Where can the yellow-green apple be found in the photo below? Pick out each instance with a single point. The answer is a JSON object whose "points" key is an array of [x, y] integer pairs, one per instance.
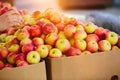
{"points": [[115, 47], [11, 58], [61, 35], [100, 32], [33, 57], [92, 46], [92, 37], [48, 28], [104, 45], [118, 43], [2, 37], [22, 33], [60, 26], [28, 19], [80, 44], [25, 41], [51, 38], [63, 44], [81, 34], [22, 63], [69, 30], [86, 52], [79, 27], [27, 48], [35, 31], [73, 52], [43, 51], [38, 41], [4, 52], [14, 48], [20, 57], [90, 27], [112, 37], [9, 38], [1, 64], [55, 53], [49, 46]]}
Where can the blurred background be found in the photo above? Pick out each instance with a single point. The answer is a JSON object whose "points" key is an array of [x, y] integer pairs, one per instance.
{"points": [[70, 7]]}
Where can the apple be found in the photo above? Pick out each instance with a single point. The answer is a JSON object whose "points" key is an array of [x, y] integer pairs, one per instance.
{"points": [[37, 41], [11, 31], [60, 26], [48, 28], [69, 30], [80, 44], [25, 41], [86, 52], [11, 57], [92, 37], [9, 38], [4, 52], [115, 47], [22, 63], [55, 53], [118, 43], [35, 31], [61, 35], [72, 41], [43, 51], [14, 48], [51, 38], [112, 37], [19, 57], [72, 21], [22, 33], [90, 27], [43, 36], [1, 64], [92, 46], [73, 51], [36, 14], [79, 27], [81, 34], [63, 45], [8, 66], [100, 32], [33, 57], [104, 45], [2, 37], [28, 19], [49, 47], [27, 48]]}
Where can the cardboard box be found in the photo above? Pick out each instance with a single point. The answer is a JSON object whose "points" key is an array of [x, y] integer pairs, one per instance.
{"points": [[31, 72], [96, 66]]}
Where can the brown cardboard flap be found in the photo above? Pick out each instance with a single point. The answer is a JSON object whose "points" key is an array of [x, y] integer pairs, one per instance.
{"points": [[96, 66], [31, 72]]}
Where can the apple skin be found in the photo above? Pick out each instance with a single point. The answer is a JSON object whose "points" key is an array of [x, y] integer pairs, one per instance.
{"points": [[60, 26], [14, 48], [3, 37], [20, 57], [43, 51], [63, 45], [73, 52], [61, 35], [8, 66], [69, 30], [27, 48], [37, 41], [112, 37], [90, 27], [25, 41], [49, 28], [51, 38], [72, 21], [92, 37], [33, 57], [55, 53], [118, 43], [100, 32], [22, 63], [79, 27], [4, 52], [80, 44], [104, 45], [22, 33], [92, 46], [86, 52], [81, 34], [1, 65], [115, 48], [11, 58]]}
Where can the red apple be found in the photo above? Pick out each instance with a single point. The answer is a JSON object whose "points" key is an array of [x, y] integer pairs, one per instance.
{"points": [[92, 46], [8, 66], [51, 38], [1, 64], [38, 41], [14, 48], [11, 57], [27, 48], [73, 51], [55, 53], [22, 63], [25, 41], [60, 26], [92, 37], [4, 52], [118, 43], [63, 45], [20, 57], [104, 45]]}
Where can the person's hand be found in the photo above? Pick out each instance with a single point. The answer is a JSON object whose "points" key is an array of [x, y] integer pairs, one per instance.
{"points": [[10, 19]]}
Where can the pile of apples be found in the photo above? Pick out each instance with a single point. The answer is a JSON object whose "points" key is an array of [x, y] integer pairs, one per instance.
{"points": [[51, 34]]}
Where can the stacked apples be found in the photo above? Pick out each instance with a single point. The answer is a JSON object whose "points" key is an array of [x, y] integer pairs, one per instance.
{"points": [[50, 34]]}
